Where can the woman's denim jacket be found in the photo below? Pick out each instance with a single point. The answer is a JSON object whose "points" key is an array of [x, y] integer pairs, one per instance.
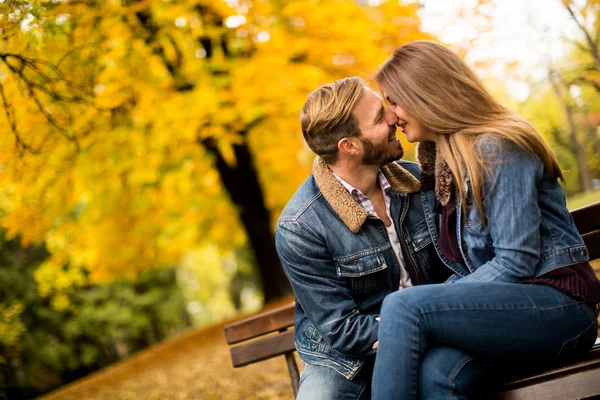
{"points": [[341, 264], [528, 230]]}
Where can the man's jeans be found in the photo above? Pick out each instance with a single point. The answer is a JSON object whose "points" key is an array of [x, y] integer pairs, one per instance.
{"points": [[323, 383], [425, 332]]}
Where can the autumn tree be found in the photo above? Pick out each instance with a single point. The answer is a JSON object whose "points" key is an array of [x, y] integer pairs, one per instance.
{"points": [[139, 129], [575, 84]]}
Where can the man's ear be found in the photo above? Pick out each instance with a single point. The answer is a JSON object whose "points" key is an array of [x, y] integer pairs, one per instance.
{"points": [[349, 145]]}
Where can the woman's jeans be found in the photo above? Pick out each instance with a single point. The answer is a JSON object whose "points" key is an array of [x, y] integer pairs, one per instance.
{"points": [[427, 332]]}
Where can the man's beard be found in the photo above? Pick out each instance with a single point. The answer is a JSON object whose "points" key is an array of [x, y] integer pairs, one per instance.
{"points": [[380, 153]]}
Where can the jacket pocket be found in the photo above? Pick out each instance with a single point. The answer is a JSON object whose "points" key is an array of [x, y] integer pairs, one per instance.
{"points": [[420, 236], [363, 272], [472, 217], [316, 342]]}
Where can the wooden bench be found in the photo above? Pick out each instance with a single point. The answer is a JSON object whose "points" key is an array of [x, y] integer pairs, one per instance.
{"points": [[271, 333]]}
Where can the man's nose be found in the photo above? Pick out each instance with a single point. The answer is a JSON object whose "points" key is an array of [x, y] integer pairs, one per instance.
{"points": [[391, 116]]}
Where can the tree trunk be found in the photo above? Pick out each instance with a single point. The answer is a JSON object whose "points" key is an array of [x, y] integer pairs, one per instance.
{"points": [[578, 150], [241, 182], [593, 138]]}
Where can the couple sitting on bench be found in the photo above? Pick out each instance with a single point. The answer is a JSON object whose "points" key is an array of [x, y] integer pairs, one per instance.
{"points": [[429, 280]]}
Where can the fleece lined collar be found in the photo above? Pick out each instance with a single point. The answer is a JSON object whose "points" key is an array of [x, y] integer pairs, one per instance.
{"points": [[431, 163], [342, 202]]}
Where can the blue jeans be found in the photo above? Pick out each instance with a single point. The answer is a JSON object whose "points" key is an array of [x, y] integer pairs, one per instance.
{"points": [[509, 323], [446, 370], [323, 383], [449, 373]]}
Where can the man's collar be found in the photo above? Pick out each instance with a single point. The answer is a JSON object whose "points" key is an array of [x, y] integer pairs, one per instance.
{"points": [[342, 202], [383, 183]]}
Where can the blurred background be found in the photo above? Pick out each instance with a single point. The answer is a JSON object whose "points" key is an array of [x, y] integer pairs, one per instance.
{"points": [[147, 148]]}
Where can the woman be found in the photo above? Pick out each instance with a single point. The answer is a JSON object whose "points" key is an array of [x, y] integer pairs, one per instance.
{"points": [[523, 290]]}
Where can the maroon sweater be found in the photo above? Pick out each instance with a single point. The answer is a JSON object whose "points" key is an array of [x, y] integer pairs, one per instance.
{"points": [[577, 280]]}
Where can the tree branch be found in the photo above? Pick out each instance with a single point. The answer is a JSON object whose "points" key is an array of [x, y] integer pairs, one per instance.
{"points": [[592, 47], [10, 116]]}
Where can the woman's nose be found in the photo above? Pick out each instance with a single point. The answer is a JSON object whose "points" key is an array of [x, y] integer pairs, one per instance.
{"points": [[391, 115]]}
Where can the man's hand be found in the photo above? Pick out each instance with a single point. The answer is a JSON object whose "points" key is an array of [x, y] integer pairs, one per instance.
{"points": [[376, 344]]}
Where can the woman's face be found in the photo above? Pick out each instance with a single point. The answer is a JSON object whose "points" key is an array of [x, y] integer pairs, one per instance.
{"points": [[411, 127]]}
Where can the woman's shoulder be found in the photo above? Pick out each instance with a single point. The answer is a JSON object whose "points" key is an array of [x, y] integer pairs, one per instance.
{"points": [[488, 142], [494, 146], [499, 153]]}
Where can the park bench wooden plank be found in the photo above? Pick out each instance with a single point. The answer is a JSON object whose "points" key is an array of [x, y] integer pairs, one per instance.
{"points": [[575, 380], [270, 334], [587, 218], [251, 327], [582, 385], [265, 335], [263, 349], [592, 241]]}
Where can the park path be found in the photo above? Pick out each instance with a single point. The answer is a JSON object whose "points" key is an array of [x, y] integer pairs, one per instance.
{"points": [[195, 365]]}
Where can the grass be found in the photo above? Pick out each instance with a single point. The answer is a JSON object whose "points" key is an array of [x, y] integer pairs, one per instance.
{"points": [[583, 199]]}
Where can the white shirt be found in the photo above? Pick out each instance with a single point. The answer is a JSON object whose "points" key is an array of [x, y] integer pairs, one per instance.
{"points": [[366, 203]]}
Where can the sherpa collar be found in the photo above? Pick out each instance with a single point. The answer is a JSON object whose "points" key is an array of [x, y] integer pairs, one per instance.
{"points": [[342, 202], [432, 163]]}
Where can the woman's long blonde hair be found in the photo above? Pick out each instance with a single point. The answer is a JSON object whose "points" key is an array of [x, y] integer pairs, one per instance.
{"points": [[437, 88]]}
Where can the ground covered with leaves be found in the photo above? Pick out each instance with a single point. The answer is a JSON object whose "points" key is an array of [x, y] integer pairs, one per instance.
{"points": [[194, 366]]}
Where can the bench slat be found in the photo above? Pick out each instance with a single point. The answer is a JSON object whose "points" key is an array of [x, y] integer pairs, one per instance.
{"points": [[262, 349], [260, 324], [580, 385], [592, 242], [587, 361], [587, 218]]}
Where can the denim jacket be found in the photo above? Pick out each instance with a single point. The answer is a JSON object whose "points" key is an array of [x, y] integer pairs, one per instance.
{"points": [[341, 264], [528, 230]]}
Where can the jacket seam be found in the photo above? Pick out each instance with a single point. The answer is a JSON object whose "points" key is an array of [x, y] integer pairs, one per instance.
{"points": [[305, 206], [364, 253]]}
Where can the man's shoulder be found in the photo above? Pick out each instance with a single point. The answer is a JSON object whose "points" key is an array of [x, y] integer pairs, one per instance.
{"points": [[305, 196]]}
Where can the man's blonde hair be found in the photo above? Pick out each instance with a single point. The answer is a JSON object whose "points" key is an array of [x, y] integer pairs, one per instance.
{"points": [[327, 116]]}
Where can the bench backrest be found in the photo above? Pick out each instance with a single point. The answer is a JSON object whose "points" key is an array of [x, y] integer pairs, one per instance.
{"points": [[272, 333], [587, 220]]}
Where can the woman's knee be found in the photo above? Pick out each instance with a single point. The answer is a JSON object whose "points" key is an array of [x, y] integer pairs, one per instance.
{"points": [[405, 301]]}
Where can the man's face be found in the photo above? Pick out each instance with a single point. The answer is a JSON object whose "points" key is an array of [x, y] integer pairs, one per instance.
{"points": [[378, 127]]}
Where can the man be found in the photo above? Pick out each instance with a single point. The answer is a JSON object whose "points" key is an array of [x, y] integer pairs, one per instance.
{"points": [[352, 233]]}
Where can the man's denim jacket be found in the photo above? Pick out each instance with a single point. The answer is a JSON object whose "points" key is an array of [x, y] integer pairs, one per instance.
{"points": [[341, 264], [528, 230]]}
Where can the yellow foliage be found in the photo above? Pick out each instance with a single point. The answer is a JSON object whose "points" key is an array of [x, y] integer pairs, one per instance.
{"points": [[104, 159], [11, 326]]}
